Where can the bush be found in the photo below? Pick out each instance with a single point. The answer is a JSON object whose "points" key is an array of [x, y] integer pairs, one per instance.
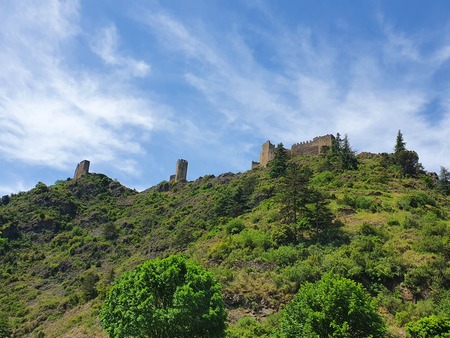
{"points": [[431, 326], [234, 226], [332, 307]]}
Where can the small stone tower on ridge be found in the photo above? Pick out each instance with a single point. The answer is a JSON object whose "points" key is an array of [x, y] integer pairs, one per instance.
{"points": [[180, 172], [267, 153], [82, 169]]}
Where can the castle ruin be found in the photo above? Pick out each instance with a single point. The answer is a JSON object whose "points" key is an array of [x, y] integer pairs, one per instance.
{"points": [[180, 171], [82, 169], [314, 147]]}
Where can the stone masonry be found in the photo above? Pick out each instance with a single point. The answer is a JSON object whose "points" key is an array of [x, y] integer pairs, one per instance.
{"points": [[267, 154], [180, 172], [82, 169], [313, 147]]}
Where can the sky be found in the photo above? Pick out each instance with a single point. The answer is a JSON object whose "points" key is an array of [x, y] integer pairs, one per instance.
{"points": [[133, 86]]}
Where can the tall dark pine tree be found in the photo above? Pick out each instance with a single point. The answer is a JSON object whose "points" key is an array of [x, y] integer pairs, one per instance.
{"points": [[444, 181], [279, 163], [295, 192], [336, 145], [400, 144], [348, 155], [319, 216]]}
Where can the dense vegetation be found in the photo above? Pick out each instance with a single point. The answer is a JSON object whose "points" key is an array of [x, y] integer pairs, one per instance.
{"points": [[165, 298], [377, 220]]}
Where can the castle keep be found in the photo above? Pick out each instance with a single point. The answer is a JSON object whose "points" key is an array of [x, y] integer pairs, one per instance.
{"points": [[180, 171], [313, 147]]}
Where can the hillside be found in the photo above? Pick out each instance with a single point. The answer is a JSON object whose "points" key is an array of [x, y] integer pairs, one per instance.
{"points": [[63, 245]]}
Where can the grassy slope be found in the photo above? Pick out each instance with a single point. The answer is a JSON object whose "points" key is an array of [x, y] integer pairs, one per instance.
{"points": [[69, 241]]}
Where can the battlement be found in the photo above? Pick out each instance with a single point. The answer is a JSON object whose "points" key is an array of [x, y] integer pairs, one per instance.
{"points": [[312, 147]]}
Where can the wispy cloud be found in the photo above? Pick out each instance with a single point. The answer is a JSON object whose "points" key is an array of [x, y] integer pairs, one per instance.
{"points": [[106, 45], [52, 111], [306, 84]]}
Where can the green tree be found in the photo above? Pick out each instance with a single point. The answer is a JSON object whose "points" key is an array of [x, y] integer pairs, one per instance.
{"points": [[444, 181], [426, 327], [295, 192], [319, 218], [348, 155], [342, 156], [332, 307], [400, 143], [408, 160], [88, 284], [165, 298], [279, 163], [336, 144]]}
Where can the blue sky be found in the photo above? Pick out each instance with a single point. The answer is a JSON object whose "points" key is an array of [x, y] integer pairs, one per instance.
{"points": [[133, 86]]}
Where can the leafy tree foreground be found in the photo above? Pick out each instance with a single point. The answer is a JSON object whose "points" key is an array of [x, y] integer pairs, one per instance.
{"points": [[332, 307], [165, 298]]}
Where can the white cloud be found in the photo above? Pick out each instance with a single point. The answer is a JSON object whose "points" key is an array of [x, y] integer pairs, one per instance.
{"points": [[106, 46], [54, 113], [368, 89]]}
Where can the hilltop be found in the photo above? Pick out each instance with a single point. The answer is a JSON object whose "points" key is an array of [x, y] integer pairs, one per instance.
{"points": [[63, 245]]}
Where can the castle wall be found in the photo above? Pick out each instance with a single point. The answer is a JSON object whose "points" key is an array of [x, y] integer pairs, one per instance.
{"points": [[82, 169], [255, 165], [313, 147]]}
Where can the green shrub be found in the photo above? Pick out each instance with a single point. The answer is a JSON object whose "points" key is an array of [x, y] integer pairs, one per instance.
{"points": [[234, 226], [429, 327], [332, 307]]}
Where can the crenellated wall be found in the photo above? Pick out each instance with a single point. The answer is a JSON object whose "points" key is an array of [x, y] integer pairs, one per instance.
{"points": [[313, 147]]}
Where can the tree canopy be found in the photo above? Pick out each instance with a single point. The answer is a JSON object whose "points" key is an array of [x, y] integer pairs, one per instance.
{"points": [[165, 298], [400, 143], [342, 154], [432, 326], [407, 160], [332, 307], [278, 165], [444, 181]]}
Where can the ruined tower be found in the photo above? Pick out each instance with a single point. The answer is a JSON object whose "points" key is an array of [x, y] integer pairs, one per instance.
{"points": [[180, 172], [267, 154], [82, 169]]}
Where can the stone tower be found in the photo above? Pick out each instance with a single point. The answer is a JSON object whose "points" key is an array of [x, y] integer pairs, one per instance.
{"points": [[180, 172], [267, 154], [82, 169]]}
